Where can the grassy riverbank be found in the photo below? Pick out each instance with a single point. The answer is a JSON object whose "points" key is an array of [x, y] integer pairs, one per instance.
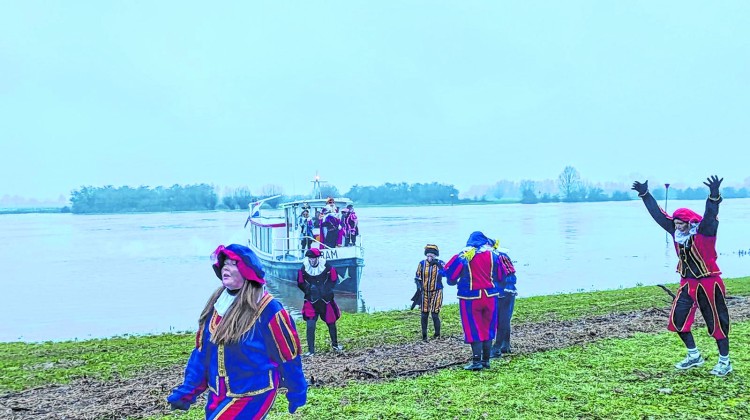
{"points": [[608, 378]]}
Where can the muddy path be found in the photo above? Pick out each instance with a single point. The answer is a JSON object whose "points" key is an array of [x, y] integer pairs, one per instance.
{"points": [[143, 394]]}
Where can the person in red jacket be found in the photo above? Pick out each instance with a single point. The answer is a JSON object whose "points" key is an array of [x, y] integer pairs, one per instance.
{"points": [[476, 270], [701, 285], [316, 279]]}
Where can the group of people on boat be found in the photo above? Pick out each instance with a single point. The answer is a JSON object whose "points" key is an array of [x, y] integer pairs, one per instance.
{"points": [[247, 346], [338, 227]]}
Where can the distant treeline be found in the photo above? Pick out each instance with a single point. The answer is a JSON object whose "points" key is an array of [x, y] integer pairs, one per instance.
{"points": [[404, 193], [569, 187], [142, 199]]}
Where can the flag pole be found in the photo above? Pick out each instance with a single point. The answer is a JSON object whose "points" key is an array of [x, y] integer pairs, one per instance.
{"points": [[666, 201]]}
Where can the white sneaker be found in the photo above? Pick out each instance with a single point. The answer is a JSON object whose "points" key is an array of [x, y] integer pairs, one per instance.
{"points": [[690, 362], [721, 369]]}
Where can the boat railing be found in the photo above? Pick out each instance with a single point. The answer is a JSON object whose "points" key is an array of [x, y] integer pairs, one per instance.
{"points": [[280, 254]]}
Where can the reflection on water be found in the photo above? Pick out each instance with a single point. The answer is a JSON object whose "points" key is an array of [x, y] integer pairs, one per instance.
{"points": [[104, 275], [292, 297]]}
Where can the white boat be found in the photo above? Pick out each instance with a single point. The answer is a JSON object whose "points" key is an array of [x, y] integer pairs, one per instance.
{"points": [[277, 240]]}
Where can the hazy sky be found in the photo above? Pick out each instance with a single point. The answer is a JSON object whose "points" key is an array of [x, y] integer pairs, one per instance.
{"points": [[367, 92]]}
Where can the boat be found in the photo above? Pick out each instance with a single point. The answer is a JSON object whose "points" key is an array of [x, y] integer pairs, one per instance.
{"points": [[277, 241]]}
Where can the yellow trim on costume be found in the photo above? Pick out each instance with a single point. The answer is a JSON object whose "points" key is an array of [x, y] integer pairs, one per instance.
{"points": [[263, 303], [674, 304], [220, 360], [281, 321], [699, 260], [213, 323], [222, 370], [252, 393], [226, 407], [199, 340], [716, 310]]}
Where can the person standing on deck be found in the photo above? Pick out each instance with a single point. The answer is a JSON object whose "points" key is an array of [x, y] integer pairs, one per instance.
{"points": [[701, 285], [350, 225]]}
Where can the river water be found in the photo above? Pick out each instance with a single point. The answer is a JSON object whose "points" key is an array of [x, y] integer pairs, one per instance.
{"points": [[66, 276]]}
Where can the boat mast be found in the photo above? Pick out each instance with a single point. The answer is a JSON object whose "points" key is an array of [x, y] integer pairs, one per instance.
{"points": [[316, 193]]}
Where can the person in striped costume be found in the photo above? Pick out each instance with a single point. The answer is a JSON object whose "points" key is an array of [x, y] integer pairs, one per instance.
{"points": [[701, 285], [429, 282], [246, 348]]}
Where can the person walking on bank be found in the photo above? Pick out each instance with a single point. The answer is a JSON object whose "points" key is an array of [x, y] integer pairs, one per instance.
{"points": [[475, 270], [246, 347], [316, 279], [701, 285], [506, 301], [430, 283]]}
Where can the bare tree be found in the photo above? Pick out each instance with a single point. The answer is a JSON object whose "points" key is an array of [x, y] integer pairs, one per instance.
{"points": [[569, 183]]}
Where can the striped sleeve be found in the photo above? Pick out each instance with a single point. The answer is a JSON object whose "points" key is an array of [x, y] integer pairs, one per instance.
{"points": [[453, 269], [507, 264], [284, 335]]}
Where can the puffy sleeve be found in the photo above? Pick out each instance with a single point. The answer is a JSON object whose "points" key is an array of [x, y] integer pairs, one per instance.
{"points": [[301, 283], [196, 373], [506, 272], [285, 350], [710, 223], [453, 270], [657, 213]]}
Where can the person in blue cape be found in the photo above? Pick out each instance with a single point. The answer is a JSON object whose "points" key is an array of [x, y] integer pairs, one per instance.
{"points": [[246, 348]]}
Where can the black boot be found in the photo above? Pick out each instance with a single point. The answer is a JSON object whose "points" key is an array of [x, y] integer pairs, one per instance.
{"points": [[424, 325], [310, 337], [334, 337], [436, 323], [476, 357], [486, 353]]}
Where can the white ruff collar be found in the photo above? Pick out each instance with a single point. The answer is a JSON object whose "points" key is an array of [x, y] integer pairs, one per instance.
{"points": [[224, 301], [314, 271], [681, 238]]}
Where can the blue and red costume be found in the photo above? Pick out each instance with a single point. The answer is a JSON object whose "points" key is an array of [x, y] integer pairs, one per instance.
{"points": [[476, 271], [244, 376]]}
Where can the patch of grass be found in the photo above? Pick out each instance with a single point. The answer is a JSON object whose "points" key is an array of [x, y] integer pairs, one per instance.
{"points": [[26, 365], [631, 378], [612, 379]]}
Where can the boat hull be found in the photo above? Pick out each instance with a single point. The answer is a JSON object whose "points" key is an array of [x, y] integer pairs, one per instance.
{"points": [[349, 271]]}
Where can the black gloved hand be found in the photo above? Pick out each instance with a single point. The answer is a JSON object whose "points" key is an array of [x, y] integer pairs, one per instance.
{"points": [[641, 188], [713, 184], [179, 405]]}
